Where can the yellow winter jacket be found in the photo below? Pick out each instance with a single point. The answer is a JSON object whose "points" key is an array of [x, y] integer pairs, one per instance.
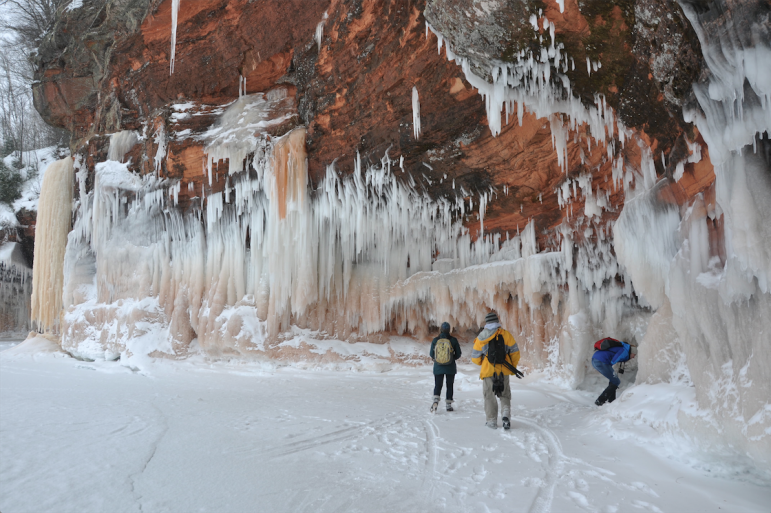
{"points": [[479, 354]]}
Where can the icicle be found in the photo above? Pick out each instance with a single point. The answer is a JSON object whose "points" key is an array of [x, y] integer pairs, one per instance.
{"points": [[160, 139], [415, 113], [174, 14], [320, 30], [679, 170], [241, 86]]}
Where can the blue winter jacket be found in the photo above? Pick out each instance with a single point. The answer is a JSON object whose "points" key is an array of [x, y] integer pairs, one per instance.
{"points": [[613, 355]]}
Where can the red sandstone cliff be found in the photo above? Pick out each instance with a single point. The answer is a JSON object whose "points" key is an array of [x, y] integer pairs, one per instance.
{"points": [[353, 91]]}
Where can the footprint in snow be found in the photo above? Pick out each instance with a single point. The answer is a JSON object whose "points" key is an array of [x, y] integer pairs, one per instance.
{"points": [[644, 488], [533, 482], [646, 505], [580, 499], [499, 491], [479, 474], [580, 484]]}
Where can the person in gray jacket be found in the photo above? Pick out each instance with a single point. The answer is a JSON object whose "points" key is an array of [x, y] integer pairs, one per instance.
{"points": [[444, 351]]}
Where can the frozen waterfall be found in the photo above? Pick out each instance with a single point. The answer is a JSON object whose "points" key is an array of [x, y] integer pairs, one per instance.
{"points": [[53, 224]]}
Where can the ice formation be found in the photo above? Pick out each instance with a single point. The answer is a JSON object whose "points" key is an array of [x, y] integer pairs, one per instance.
{"points": [[237, 134], [720, 300], [120, 144], [53, 224], [15, 290], [329, 261]]}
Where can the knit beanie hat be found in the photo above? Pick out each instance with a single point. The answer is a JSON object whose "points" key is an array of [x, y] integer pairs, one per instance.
{"points": [[491, 317], [445, 327]]}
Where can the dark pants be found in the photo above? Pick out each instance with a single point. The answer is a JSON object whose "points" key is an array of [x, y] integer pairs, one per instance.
{"points": [[606, 370], [439, 379]]}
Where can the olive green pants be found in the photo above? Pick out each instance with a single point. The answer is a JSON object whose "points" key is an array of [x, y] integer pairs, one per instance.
{"points": [[491, 402]]}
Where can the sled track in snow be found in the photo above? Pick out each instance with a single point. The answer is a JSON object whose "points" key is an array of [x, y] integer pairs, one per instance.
{"points": [[132, 479], [340, 435], [545, 496], [432, 433], [556, 469]]}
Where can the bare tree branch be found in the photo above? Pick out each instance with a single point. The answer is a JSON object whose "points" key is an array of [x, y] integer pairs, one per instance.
{"points": [[25, 24]]}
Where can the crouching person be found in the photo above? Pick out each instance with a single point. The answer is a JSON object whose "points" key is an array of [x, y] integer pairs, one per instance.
{"points": [[444, 351], [496, 351], [609, 352]]}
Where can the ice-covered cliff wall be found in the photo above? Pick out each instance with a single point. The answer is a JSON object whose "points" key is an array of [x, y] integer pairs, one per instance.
{"points": [[709, 291], [585, 170]]}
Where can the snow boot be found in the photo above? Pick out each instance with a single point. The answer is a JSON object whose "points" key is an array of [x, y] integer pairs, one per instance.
{"points": [[492, 424], [606, 395], [449, 405], [506, 423], [435, 405], [612, 393]]}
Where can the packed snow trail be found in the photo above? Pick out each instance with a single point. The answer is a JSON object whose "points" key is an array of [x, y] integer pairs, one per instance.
{"points": [[231, 437]]}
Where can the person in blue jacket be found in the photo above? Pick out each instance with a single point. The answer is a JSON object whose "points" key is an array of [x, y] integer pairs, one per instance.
{"points": [[609, 352], [446, 353]]}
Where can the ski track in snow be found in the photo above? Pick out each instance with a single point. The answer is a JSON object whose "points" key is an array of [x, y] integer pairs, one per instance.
{"points": [[190, 436], [153, 449]]}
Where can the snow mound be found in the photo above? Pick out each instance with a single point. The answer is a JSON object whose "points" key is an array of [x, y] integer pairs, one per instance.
{"points": [[35, 345], [667, 419]]}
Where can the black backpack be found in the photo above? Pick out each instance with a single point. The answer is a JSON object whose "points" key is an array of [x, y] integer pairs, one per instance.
{"points": [[496, 355], [496, 351]]}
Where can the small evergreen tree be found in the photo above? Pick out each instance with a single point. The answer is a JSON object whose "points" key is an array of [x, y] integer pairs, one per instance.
{"points": [[11, 182], [8, 147]]}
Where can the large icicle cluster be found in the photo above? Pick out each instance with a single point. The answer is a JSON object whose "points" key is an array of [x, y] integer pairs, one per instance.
{"points": [[362, 254], [720, 301]]}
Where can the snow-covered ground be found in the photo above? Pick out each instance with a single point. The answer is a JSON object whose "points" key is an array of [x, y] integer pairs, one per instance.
{"points": [[194, 435]]}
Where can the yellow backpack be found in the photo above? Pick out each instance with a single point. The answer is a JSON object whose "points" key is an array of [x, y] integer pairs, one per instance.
{"points": [[443, 351]]}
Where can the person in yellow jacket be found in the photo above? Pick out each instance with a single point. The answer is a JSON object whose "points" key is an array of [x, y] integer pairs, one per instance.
{"points": [[498, 354]]}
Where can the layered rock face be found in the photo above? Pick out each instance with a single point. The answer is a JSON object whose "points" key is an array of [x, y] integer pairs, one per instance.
{"points": [[360, 169]]}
